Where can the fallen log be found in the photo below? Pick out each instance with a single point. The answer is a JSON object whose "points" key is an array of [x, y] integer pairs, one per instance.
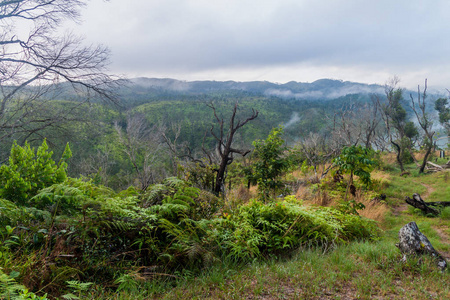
{"points": [[437, 168], [435, 165], [414, 242], [427, 207]]}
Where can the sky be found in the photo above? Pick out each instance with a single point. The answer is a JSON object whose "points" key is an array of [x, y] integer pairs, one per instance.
{"points": [[366, 41]]}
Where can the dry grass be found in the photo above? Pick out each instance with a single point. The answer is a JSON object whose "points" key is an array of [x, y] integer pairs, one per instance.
{"points": [[303, 192], [379, 175], [240, 195], [322, 198], [297, 174], [374, 210], [389, 158]]}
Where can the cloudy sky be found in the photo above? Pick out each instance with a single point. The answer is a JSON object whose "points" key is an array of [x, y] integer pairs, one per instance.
{"points": [[276, 40]]}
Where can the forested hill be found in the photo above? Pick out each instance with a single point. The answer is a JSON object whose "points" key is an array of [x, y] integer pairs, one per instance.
{"points": [[323, 89], [300, 107]]}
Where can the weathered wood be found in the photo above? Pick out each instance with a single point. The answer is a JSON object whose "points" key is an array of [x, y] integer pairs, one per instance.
{"points": [[413, 242], [419, 203], [436, 168], [435, 165]]}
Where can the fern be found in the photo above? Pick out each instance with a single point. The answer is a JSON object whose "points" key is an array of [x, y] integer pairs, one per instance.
{"points": [[10, 289]]}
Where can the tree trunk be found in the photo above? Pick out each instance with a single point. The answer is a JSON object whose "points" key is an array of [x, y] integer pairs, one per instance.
{"points": [[424, 163], [413, 242], [399, 156], [426, 207]]}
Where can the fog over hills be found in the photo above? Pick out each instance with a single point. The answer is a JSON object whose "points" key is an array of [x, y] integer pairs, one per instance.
{"points": [[320, 89]]}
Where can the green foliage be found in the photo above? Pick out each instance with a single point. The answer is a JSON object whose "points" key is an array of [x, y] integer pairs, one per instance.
{"points": [[127, 282], [445, 213], [441, 105], [200, 175], [78, 287], [411, 130], [350, 206], [356, 160], [305, 168], [270, 163], [259, 229], [85, 231], [10, 289], [395, 110], [406, 155], [27, 172]]}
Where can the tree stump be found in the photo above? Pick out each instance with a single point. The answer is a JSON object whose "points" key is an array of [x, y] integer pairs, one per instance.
{"points": [[413, 242]]}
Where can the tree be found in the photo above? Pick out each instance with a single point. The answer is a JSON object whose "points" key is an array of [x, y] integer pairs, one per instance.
{"points": [[270, 164], [37, 65], [355, 124], [142, 145], [394, 116], [424, 120], [355, 160], [441, 105], [318, 150], [224, 140]]}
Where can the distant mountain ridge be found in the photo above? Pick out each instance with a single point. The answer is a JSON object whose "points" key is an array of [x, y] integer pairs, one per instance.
{"points": [[319, 89]]}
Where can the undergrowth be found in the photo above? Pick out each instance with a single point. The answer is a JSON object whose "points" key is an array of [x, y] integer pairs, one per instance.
{"points": [[75, 239]]}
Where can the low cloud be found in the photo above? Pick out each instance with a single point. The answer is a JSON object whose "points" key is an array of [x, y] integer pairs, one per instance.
{"points": [[295, 118], [290, 94]]}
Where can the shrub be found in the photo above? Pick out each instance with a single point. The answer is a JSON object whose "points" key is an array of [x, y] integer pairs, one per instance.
{"points": [[28, 172], [271, 163], [260, 229]]}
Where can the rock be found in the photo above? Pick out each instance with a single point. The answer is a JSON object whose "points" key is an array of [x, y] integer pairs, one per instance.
{"points": [[413, 242]]}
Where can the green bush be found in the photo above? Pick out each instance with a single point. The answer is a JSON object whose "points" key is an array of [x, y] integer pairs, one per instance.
{"points": [[27, 172], [271, 162], [260, 229]]}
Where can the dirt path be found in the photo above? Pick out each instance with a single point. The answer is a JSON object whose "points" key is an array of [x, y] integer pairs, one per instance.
{"points": [[403, 207], [397, 210], [429, 188], [440, 230], [445, 239]]}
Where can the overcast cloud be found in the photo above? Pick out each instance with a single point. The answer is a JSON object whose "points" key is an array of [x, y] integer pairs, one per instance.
{"points": [[278, 41]]}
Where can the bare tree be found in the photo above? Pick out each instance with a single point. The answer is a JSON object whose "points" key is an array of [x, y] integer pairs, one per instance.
{"points": [[346, 130], [172, 143], [142, 145], [37, 64], [224, 140], [369, 122], [354, 124], [424, 121], [318, 151]]}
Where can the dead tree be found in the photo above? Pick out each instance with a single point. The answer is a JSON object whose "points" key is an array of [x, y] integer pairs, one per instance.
{"points": [[413, 242], [318, 151], [142, 145], [355, 124], [370, 120], [224, 140]]}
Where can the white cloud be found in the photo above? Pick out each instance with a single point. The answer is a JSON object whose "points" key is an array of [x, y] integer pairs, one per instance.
{"points": [[365, 41]]}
